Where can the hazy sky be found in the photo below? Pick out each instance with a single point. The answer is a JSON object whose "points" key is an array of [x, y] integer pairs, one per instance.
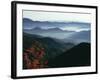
{"points": [[59, 17], [56, 16]]}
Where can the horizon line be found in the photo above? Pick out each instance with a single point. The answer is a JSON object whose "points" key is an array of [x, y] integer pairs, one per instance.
{"points": [[57, 21]]}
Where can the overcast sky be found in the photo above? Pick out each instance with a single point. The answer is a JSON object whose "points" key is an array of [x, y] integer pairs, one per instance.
{"points": [[56, 16]]}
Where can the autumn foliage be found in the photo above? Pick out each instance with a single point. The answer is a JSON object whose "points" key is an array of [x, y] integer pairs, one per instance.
{"points": [[33, 57]]}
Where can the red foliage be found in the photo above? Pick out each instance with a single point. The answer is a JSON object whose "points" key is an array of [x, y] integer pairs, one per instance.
{"points": [[37, 56], [30, 50]]}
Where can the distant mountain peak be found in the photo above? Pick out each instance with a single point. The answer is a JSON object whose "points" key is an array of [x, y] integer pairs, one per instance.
{"points": [[37, 28], [26, 19], [49, 29], [55, 29]]}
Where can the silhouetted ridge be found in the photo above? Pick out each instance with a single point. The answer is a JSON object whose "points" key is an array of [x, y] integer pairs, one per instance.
{"points": [[76, 56]]}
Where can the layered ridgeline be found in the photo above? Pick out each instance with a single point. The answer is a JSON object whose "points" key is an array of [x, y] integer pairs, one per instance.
{"points": [[28, 23], [52, 46], [49, 44], [34, 44], [76, 32]]}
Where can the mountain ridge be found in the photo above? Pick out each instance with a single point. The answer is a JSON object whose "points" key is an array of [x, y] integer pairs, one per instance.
{"points": [[30, 23], [27, 19], [78, 55], [53, 46]]}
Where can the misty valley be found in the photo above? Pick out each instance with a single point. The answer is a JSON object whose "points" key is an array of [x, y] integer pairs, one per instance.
{"points": [[55, 44]]}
